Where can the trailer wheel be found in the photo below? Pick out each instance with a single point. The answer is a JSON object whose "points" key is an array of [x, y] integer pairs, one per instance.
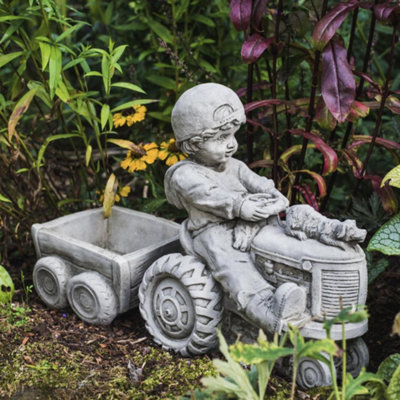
{"points": [[313, 373], [92, 298], [50, 277], [181, 304], [357, 356]]}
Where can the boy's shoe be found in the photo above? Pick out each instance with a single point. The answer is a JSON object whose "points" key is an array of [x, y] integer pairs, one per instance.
{"points": [[269, 310]]}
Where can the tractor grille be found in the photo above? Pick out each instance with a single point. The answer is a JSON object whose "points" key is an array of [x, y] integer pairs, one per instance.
{"points": [[338, 285]]}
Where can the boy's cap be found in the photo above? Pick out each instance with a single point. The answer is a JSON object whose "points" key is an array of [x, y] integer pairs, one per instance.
{"points": [[205, 106]]}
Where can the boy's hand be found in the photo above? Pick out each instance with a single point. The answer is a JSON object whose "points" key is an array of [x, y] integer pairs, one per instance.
{"points": [[261, 205], [253, 210]]}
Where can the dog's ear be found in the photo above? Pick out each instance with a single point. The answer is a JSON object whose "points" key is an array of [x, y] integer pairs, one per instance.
{"points": [[340, 230]]}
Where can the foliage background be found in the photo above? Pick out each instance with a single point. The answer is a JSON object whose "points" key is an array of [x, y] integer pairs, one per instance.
{"points": [[66, 67]]}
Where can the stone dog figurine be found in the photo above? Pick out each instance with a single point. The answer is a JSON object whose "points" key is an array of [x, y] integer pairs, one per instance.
{"points": [[303, 222]]}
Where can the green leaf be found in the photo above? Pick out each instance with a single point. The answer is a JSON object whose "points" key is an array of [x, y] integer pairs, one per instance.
{"points": [[388, 367], [19, 109], [207, 66], [160, 116], [355, 386], [346, 315], [62, 92], [42, 93], [237, 378], [6, 58], [4, 199], [132, 103], [7, 18], [375, 266], [153, 205], [314, 349], [48, 141], [387, 238], [106, 73], [55, 66], [181, 9], [105, 113], [163, 81], [88, 155], [393, 390], [204, 20], [73, 63], [257, 353], [10, 31], [393, 176], [130, 86], [45, 50], [161, 31], [117, 53], [93, 73], [71, 30]]}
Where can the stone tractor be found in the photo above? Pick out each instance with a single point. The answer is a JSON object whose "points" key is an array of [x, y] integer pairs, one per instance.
{"points": [[103, 267], [183, 305]]}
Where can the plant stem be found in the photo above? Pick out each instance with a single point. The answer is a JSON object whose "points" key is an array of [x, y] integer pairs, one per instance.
{"points": [[249, 97], [344, 348], [333, 375], [274, 112], [311, 108], [385, 94], [295, 362]]}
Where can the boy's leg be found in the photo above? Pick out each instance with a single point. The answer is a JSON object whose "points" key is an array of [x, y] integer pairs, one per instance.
{"points": [[241, 280], [232, 268]]}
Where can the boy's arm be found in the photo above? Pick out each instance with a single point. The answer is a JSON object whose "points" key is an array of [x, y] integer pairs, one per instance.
{"points": [[201, 192], [253, 182]]}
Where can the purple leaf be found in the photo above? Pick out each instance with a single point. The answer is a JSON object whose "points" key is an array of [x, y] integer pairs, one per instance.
{"points": [[388, 198], [260, 103], [359, 140], [318, 179], [260, 85], [240, 14], [330, 23], [262, 164], [330, 156], [253, 47], [258, 11], [384, 11], [308, 195], [323, 116], [338, 85], [354, 162]]}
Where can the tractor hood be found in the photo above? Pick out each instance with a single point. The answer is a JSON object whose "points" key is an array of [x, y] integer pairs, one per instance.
{"points": [[272, 241]]}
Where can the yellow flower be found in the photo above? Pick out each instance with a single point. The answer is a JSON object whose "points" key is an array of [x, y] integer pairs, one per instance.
{"points": [[170, 153], [139, 159], [118, 120], [123, 192], [139, 115]]}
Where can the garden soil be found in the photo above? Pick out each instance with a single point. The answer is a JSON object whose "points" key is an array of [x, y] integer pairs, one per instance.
{"points": [[48, 354]]}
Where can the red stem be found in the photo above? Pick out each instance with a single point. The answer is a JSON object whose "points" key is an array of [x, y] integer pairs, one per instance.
{"points": [[274, 111], [311, 108]]}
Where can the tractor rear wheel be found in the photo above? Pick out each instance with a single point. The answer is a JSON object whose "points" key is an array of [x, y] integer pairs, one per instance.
{"points": [[181, 304]]}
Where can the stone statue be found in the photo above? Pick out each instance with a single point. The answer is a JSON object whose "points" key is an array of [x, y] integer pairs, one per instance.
{"points": [[240, 265], [227, 203]]}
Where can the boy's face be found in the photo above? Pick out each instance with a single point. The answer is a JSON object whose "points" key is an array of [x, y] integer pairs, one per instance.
{"points": [[217, 150]]}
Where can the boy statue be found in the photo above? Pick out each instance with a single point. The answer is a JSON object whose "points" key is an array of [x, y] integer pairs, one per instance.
{"points": [[226, 203]]}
